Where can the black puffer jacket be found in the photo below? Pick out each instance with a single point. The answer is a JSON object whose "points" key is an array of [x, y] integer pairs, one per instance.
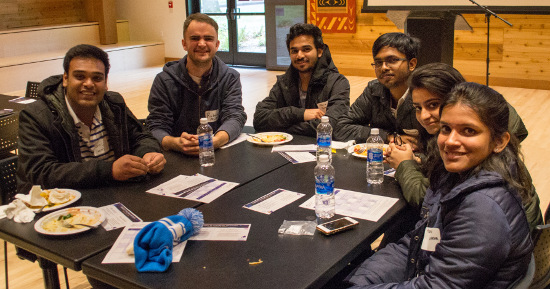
{"points": [[281, 110], [49, 152]]}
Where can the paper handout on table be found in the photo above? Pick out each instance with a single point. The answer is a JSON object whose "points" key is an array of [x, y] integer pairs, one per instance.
{"points": [[242, 137], [118, 216], [295, 148], [298, 157], [118, 253], [195, 188], [357, 205], [222, 232], [273, 201]]}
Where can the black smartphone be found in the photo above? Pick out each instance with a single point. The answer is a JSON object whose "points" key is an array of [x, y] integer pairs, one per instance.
{"points": [[336, 226]]}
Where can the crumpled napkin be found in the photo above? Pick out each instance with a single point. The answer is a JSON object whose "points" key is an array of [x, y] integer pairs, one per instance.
{"points": [[33, 198], [153, 245], [18, 211]]}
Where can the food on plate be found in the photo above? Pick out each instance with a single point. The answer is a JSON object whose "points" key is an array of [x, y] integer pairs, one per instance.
{"points": [[53, 197], [361, 149], [272, 137], [59, 196], [73, 217]]}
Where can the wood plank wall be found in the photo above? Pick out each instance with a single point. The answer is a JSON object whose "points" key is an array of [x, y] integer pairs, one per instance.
{"points": [[519, 55], [28, 13]]}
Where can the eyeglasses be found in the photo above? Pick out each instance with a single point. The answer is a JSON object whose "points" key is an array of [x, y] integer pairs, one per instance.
{"points": [[389, 62], [397, 139]]}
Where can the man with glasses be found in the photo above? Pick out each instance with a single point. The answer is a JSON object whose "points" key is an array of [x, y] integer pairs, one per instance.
{"points": [[385, 103], [310, 88]]}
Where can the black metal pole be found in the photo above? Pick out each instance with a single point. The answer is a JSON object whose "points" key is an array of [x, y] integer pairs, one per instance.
{"points": [[488, 17]]}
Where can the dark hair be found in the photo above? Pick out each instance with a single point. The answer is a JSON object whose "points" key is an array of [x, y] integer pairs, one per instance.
{"points": [[86, 51], [305, 29], [404, 43], [199, 17], [438, 78], [492, 109]]}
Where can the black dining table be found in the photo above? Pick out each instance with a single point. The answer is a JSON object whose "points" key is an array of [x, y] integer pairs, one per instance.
{"points": [[239, 163], [287, 261]]}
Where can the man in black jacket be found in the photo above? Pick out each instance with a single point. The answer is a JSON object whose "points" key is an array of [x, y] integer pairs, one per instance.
{"points": [[310, 88], [385, 103], [78, 134]]}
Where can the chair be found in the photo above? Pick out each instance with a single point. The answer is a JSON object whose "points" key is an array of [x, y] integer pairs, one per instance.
{"points": [[9, 128], [541, 238], [32, 89], [8, 189]]}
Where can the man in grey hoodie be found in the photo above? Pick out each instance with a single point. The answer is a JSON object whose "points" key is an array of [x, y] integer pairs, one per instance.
{"points": [[196, 86]]}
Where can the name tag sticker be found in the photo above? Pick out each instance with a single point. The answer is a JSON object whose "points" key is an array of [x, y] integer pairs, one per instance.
{"points": [[323, 106], [212, 115], [432, 237]]}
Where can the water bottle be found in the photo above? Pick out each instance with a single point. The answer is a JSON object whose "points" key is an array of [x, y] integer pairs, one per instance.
{"points": [[324, 138], [206, 144], [324, 188], [375, 151]]}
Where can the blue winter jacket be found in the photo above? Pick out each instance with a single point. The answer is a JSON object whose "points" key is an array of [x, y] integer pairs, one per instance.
{"points": [[484, 241], [175, 107]]}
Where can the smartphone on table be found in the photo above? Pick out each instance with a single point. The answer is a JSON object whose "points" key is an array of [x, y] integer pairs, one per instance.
{"points": [[336, 226]]}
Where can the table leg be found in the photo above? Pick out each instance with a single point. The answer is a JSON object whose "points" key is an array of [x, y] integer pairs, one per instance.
{"points": [[49, 273]]}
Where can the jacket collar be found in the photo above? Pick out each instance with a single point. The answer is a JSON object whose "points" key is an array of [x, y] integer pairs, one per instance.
{"points": [[481, 180]]}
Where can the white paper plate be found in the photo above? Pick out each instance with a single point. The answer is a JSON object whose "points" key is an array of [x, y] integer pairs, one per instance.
{"points": [[95, 214], [258, 142]]}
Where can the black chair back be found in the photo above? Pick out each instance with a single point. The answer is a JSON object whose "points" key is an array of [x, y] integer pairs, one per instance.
{"points": [[8, 182], [541, 238], [9, 127], [32, 89]]}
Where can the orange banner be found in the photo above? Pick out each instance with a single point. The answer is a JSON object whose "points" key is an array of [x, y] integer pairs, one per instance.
{"points": [[333, 16]]}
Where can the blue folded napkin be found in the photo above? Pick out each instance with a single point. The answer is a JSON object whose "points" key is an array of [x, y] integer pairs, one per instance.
{"points": [[154, 243]]}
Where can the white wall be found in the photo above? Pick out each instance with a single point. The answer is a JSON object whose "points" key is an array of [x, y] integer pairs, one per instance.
{"points": [[152, 20]]}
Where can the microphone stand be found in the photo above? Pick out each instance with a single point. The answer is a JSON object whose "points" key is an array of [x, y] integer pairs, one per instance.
{"points": [[488, 14]]}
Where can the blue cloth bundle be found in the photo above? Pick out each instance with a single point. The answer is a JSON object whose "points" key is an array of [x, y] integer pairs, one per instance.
{"points": [[154, 243]]}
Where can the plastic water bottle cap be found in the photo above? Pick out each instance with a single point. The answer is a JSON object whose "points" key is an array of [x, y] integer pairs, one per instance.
{"points": [[324, 119], [323, 158], [374, 131], [204, 120]]}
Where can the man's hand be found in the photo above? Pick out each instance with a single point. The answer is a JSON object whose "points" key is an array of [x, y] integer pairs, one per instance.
{"points": [[155, 162], [313, 113], [220, 139], [186, 143], [129, 166]]}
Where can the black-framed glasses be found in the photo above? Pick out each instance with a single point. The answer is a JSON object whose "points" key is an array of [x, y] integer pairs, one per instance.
{"points": [[392, 61], [397, 139]]}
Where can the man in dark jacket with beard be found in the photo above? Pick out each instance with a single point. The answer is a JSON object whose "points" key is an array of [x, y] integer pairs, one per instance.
{"points": [[78, 134], [310, 88], [198, 85]]}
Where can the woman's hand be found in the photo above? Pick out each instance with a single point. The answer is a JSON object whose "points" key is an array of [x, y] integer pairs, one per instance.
{"points": [[396, 154]]}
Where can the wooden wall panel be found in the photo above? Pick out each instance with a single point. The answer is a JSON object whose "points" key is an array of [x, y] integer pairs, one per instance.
{"points": [[27, 13], [519, 54]]}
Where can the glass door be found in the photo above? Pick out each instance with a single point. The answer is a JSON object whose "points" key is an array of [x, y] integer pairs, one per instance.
{"points": [[241, 29]]}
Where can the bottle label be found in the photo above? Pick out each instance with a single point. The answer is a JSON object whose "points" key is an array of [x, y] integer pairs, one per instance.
{"points": [[375, 155], [324, 184], [205, 140], [323, 140]]}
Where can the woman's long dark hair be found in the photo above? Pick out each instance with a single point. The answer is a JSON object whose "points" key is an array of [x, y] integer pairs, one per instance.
{"points": [[437, 78], [492, 109]]}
